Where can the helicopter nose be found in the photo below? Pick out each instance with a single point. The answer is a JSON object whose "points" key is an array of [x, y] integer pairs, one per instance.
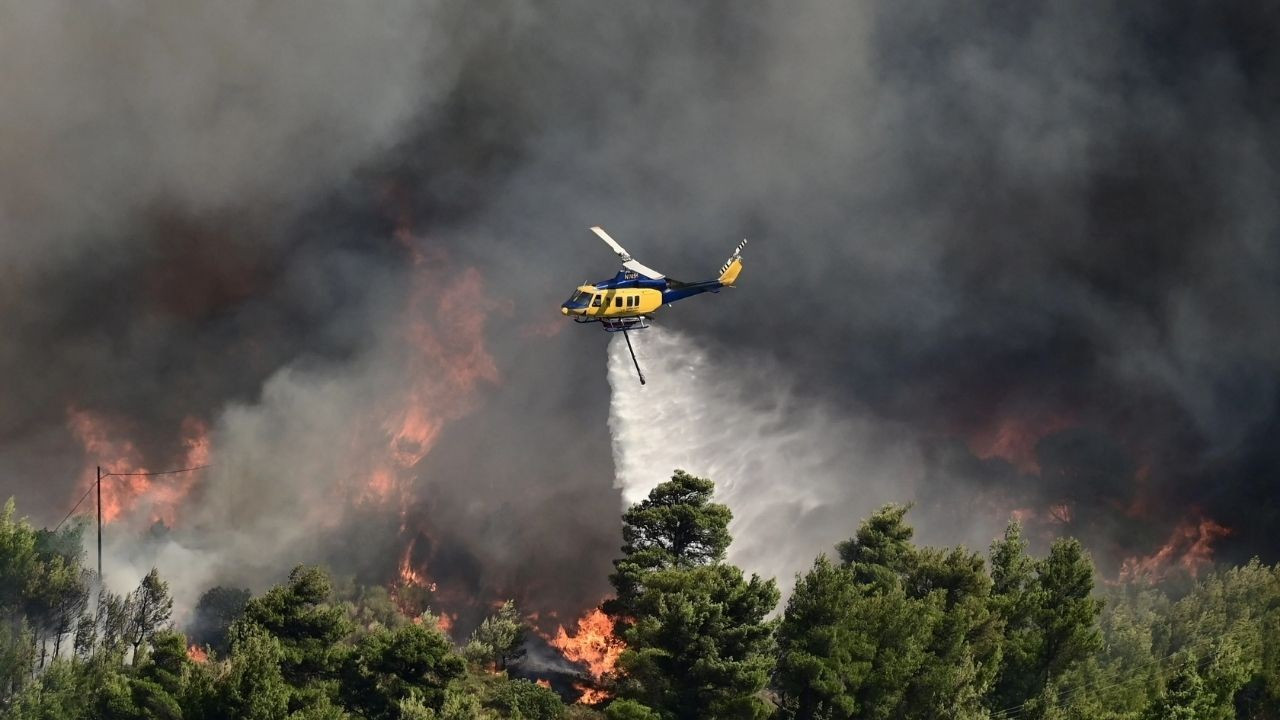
{"points": [[564, 310]]}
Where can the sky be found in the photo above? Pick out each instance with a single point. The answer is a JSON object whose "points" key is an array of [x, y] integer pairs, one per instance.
{"points": [[1005, 260]]}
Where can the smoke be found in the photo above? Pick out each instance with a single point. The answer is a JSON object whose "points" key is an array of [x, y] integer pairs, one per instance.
{"points": [[1003, 259], [795, 471], [126, 108]]}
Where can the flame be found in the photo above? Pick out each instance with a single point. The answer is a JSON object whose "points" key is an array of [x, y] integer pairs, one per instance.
{"points": [[197, 654], [544, 683], [1190, 548], [409, 577], [169, 493], [590, 695], [114, 456], [1014, 440], [442, 364], [120, 458], [445, 622], [592, 644], [379, 487]]}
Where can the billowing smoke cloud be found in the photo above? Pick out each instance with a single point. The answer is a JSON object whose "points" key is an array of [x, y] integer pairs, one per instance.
{"points": [[1023, 257]]}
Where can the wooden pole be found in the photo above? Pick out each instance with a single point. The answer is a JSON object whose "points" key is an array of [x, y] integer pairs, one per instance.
{"points": [[99, 523]]}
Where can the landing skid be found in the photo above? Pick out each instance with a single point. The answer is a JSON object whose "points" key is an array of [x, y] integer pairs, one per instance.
{"points": [[624, 324]]}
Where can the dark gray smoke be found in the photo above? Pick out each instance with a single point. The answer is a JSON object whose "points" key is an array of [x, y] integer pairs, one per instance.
{"points": [[1024, 256]]}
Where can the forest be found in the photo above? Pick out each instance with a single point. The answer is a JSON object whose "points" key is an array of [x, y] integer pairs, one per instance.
{"points": [[880, 628]]}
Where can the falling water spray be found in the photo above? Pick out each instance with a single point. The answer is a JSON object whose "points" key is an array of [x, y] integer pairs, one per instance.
{"points": [[797, 475]]}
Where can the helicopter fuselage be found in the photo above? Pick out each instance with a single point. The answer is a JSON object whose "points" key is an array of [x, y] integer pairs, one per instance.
{"points": [[630, 295]]}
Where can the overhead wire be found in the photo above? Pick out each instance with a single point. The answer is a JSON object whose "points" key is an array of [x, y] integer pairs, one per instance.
{"points": [[129, 474]]}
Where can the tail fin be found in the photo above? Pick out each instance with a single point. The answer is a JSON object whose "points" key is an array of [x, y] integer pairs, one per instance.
{"points": [[732, 266]]}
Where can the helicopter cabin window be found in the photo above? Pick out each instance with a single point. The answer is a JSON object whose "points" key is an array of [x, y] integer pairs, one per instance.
{"points": [[595, 301]]}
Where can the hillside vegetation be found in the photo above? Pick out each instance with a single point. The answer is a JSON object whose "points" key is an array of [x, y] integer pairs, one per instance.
{"points": [[882, 628]]}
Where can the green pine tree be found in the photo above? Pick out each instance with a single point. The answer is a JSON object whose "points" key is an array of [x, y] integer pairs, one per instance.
{"points": [[698, 644]]}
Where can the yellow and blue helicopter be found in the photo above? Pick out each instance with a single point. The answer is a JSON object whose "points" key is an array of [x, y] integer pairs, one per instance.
{"points": [[627, 300]]}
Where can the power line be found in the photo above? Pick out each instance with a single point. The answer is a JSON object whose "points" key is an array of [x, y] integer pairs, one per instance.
{"points": [[162, 472], [129, 474], [73, 508]]}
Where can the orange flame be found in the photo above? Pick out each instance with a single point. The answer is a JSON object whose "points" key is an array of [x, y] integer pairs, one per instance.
{"points": [[445, 622], [592, 644], [1014, 440], [121, 460], [590, 695], [444, 362], [410, 577], [1190, 547], [197, 654]]}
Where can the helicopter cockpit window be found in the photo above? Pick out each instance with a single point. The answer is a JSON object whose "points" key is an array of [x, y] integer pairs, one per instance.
{"points": [[595, 302]]}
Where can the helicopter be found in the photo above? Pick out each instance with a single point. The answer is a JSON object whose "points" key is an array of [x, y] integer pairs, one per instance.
{"points": [[627, 300]]}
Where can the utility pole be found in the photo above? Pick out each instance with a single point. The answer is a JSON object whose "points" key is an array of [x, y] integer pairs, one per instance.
{"points": [[99, 524], [108, 474]]}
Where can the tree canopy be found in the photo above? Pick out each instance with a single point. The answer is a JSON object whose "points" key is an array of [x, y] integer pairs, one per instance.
{"points": [[883, 629]]}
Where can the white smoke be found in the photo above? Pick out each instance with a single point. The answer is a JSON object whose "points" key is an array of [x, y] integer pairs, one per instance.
{"points": [[798, 474]]}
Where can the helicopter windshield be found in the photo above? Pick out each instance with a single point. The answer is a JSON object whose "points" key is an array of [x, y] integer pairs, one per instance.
{"points": [[579, 298]]}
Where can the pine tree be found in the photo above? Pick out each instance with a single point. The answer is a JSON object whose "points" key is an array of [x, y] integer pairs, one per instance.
{"points": [[255, 688], [1049, 612], [699, 645], [677, 525], [822, 662], [697, 641], [308, 627], [150, 611], [501, 635], [881, 552], [412, 663], [897, 631]]}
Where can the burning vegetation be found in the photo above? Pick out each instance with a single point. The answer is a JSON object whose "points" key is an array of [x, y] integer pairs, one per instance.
{"points": [[1189, 549], [159, 495], [593, 646]]}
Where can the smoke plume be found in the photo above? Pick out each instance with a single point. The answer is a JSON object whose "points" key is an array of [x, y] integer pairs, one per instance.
{"points": [[1005, 261]]}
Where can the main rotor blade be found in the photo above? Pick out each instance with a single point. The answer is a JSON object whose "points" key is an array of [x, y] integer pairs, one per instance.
{"points": [[628, 262], [635, 267], [622, 252]]}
